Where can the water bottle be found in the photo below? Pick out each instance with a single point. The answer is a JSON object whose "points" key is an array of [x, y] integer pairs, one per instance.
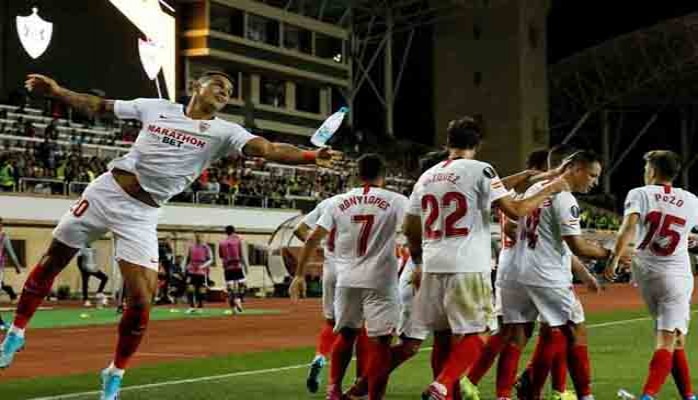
{"points": [[625, 395], [328, 128]]}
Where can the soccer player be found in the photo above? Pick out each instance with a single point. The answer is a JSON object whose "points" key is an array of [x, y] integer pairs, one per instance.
{"points": [[234, 267], [174, 146], [548, 237], [196, 264], [448, 219], [87, 264], [327, 336], [366, 221], [662, 216]]}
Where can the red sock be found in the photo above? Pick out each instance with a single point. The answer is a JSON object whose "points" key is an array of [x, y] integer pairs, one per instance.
{"points": [[340, 358], [378, 367], [492, 348], [36, 288], [558, 371], [580, 369], [439, 353], [403, 352], [363, 353], [551, 343], [506, 369], [461, 357], [134, 322], [682, 373], [660, 367], [325, 339]]}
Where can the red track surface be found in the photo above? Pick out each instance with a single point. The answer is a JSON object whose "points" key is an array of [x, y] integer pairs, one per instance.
{"points": [[52, 352]]}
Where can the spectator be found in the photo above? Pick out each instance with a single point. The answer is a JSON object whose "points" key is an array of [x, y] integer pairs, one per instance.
{"points": [[51, 131], [7, 174]]}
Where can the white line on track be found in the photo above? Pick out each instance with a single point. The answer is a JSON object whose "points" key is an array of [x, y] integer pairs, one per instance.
{"points": [[264, 371]]}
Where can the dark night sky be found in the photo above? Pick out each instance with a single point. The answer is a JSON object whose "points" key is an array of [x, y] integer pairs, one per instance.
{"points": [[574, 25]]}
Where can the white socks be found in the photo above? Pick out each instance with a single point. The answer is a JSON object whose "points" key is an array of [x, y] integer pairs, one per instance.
{"points": [[17, 331]]}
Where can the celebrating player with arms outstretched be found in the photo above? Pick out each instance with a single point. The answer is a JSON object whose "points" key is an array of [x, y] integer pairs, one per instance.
{"points": [[663, 216], [174, 146]]}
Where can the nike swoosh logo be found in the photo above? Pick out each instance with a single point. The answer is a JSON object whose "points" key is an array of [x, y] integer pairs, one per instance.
{"points": [[163, 117]]}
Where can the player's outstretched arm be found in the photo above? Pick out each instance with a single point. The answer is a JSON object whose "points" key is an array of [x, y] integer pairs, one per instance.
{"points": [[520, 180], [625, 236], [584, 248], [288, 154], [87, 103], [297, 288], [518, 208]]}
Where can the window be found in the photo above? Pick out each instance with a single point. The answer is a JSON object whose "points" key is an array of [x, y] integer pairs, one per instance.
{"points": [[298, 39], [307, 98], [329, 47], [227, 20], [477, 78], [261, 29], [477, 31], [533, 35], [272, 92]]}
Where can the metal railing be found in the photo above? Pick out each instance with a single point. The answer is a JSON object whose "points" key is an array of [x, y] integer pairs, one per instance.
{"points": [[43, 185]]}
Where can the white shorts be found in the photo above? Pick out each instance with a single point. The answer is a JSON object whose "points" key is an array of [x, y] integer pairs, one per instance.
{"points": [[329, 286], [103, 207], [378, 309], [461, 303], [554, 306], [668, 299]]}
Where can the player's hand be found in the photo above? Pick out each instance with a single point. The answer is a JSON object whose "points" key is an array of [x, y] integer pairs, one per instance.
{"points": [[560, 183], [416, 279], [593, 285], [41, 84], [297, 289], [692, 241], [328, 158]]}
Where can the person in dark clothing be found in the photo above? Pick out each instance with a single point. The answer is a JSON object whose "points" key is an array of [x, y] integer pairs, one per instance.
{"points": [[87, 264]]}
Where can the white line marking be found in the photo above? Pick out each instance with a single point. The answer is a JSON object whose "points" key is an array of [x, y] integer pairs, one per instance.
{"points": [[265, 371], [182, 355]]}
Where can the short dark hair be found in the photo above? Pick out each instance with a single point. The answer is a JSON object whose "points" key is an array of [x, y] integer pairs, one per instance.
{"points": [[464, 133], [538, 159], [210, 74], [371, 167], [585, 157], [430, 159], [558, 153], [229, 229], [666, 163]]}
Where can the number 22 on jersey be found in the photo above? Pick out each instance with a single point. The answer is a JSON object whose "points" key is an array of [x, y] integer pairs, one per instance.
{"points": [[437, 225]]}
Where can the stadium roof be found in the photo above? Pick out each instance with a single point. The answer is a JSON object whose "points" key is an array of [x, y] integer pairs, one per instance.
{"points": [[649, 68]]}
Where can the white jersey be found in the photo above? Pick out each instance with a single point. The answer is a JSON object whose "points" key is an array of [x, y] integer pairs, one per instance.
{"points": [[311, 219], [405, 286], [544, 257], [667, 215], [172, 149], [453, 199], [366, 221]]}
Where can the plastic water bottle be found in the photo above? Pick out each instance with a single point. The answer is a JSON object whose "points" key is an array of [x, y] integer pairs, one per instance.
{"points": [[625, 395], [328, 128]]}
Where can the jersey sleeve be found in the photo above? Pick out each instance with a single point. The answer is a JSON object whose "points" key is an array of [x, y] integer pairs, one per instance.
{"points": [[237, 140], [491, 186], [402, 204], [131, 109], [327, 219], [311, 219], [634, 203], [414, 204], [567, 210]]}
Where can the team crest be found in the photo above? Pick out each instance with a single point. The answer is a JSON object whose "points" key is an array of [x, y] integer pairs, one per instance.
{"points": [[34, 33], [203, 126]]}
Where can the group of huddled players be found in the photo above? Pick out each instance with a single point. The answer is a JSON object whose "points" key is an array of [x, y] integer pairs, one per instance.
{"points": [[442, 286]]}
